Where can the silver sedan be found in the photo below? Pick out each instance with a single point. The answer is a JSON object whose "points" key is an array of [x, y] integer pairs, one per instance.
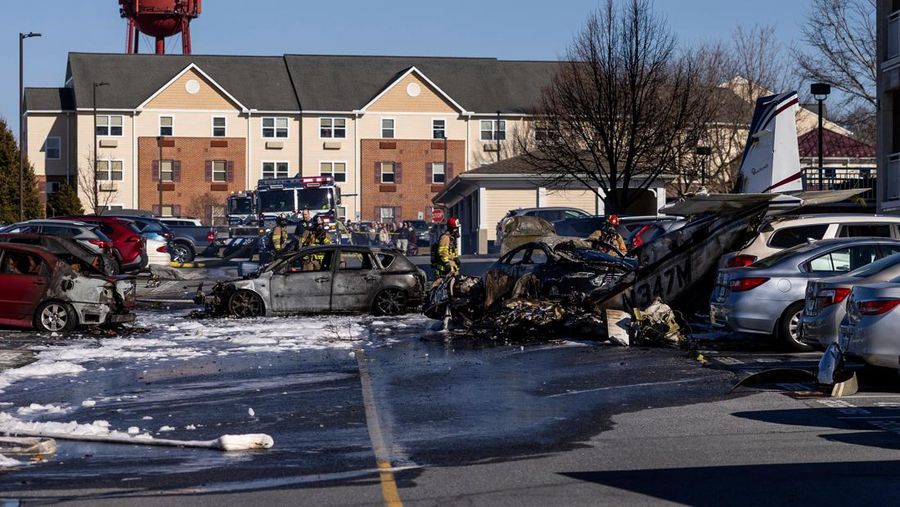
{"points": [[869, 331], [767, 297], [826, 302]]}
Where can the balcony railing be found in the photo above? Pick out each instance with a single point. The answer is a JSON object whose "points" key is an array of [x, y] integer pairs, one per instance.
{"points": [[841, 178]]}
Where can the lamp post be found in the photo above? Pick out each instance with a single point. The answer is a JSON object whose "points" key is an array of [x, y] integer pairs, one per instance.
{"points": [[22, 37], [703, 153], [96, 188], [820, 92]]}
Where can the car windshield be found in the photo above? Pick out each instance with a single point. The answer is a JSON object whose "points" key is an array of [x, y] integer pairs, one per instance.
{"points": [[876, 267], [241, 206], [271, 201], [313, 199]]}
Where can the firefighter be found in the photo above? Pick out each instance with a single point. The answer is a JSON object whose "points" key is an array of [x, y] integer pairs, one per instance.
{"points": [[608, 239], [444, 257], [304, 228], [317, 235], [279, 234]]}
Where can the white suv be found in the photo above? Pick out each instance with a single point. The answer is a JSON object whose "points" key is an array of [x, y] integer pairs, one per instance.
{"points": [[779, 233]]}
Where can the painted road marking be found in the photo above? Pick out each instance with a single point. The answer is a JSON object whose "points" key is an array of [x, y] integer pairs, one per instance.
{"points": [[389, 489], [628, 386], [731, 361]]}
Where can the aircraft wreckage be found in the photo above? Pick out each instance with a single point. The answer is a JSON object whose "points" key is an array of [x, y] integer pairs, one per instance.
{"points": [[546, 285]]}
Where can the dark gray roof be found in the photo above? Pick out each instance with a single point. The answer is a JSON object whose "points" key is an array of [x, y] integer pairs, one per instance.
{"points": [[513, 165], [482, 85], [257, 82], [49, 99]]}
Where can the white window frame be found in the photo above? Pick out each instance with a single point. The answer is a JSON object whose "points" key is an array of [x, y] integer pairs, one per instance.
{"points": [[109, 118], [443, 171], [287, 127], [275, 168], [213, 126], [162, 212], [332, 128], [160, 125], [444, 128], [386, 219], [393, 128], [332, 162], [171, 170], [495, 128], [109, 169], [393, 173], [341, 212], [224, 171], [58, 148]]}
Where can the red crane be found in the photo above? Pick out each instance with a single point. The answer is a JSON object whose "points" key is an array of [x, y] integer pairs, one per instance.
{"points": [[159, 19]]}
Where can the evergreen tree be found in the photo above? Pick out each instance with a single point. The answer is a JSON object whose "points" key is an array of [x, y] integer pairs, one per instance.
{"points": [[9, 181], [64, 202]]}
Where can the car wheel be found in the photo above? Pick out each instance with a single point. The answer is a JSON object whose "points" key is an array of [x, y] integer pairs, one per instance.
{"points": [[389, 302], [788, 330], [182, 252], [245, 304], [55, 317]]}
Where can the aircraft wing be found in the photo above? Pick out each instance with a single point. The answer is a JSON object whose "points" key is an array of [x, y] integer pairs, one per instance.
{"points": [[731, 203]]}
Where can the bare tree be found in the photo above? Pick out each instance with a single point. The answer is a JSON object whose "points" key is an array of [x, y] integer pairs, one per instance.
{"points": [[841, 34], [625, 106], [93, 187]]}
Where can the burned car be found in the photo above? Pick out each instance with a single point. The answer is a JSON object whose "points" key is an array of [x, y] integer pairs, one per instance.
{"points": [[335, 278], [67, 249], [55, 291]]}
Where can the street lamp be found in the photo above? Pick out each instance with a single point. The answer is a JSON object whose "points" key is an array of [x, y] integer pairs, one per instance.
{"points": [[820, 92], [22, 37], [96, 188], [703, 153]]}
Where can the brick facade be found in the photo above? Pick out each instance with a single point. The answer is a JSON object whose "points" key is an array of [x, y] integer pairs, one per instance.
{"points": [[413, 190], [192, 157]]}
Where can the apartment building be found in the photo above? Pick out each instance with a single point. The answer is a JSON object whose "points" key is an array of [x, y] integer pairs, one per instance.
{"points": [[177, 134]]}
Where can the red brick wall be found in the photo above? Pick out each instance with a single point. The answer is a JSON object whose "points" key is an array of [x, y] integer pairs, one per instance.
{"points": [[192, 153], [414, 191]]}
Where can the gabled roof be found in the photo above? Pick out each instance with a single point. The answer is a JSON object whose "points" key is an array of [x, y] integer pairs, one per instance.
{"points": [[423, 77], [480, 85], [834, 145], [193, 67], [257, 82], [49, 99]]}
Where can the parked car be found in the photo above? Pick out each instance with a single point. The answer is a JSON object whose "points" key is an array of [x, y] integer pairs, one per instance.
{"points": [[157, 236], [172, 221], [68, 249], [87, 234], [779, 233], [335, 278], [189, 241], [549, 214], [767, 297], [40, 290], [130, 247], [869, 331], [825, 305], [636, 230], [423, 232]]}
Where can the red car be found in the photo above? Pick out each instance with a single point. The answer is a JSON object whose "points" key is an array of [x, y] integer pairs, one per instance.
{"points": [[130, 247], [57, 293]]}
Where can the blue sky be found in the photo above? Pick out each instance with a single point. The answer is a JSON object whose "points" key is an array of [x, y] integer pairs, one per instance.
{"points": [[510, 29]]}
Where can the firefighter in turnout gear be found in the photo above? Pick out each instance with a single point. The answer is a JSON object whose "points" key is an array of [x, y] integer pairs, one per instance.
{"points": [[608, 239], [444, 257], [317, 235], [279, 234]]}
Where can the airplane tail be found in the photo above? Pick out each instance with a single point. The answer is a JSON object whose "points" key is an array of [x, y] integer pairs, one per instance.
{"points": [[771, 160]]}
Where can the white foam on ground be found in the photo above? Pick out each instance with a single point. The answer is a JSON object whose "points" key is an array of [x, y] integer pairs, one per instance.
{"points": [[12, 425], [9, 462], [37, 408]]}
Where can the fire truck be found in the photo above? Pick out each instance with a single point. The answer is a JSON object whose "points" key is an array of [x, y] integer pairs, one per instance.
{"points": [[241, 208], [289, 197]]}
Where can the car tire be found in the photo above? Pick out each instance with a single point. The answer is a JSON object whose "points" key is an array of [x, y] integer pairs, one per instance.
{"points": [[788, 328], [389, 302], [245, 304], [55, 317], [182, 252]]}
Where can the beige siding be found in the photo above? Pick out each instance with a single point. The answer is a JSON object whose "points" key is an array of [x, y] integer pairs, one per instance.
{"points": [[39, 128], [176, 95], [339, 150], [397, 99], [124, 190], [500, 201], [570, 198]]}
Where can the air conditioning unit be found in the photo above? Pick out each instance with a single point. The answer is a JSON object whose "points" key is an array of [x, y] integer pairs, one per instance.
{"points": [[108, 187]]}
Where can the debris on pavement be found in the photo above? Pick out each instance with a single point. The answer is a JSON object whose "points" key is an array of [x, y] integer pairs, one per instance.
{"points": [[656, 325], [26, 446]]}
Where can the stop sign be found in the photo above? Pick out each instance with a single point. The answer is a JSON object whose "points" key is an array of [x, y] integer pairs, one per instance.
{"points": [[437, 215]]}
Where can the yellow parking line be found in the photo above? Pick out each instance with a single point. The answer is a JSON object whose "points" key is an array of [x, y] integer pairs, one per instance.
{"points": [[389, 490]]}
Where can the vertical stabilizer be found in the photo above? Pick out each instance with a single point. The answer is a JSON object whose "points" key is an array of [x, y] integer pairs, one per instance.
{"points": [[771, 161]]}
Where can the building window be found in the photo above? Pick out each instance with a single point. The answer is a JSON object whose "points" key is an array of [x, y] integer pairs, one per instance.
{"points": [[386, 215], [109, 125], [438, 129], [219, 171], [273, 127], [387, 128], [275, 170], [337, 170], [51, 148], [165, 171], [333, 128], [541, 133], [438, 173], [166, 126], [387, 172], [342, 213], [53, 187], [218, 126], [110, 170], [167, 210], [493, 130]]}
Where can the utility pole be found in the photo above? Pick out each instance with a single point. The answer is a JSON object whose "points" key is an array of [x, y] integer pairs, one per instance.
{"points": [[820, 92], [22, 37], [96, 188]]}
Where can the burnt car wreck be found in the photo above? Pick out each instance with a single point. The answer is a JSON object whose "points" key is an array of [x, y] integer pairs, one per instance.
{"points": [[340, 279]]}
